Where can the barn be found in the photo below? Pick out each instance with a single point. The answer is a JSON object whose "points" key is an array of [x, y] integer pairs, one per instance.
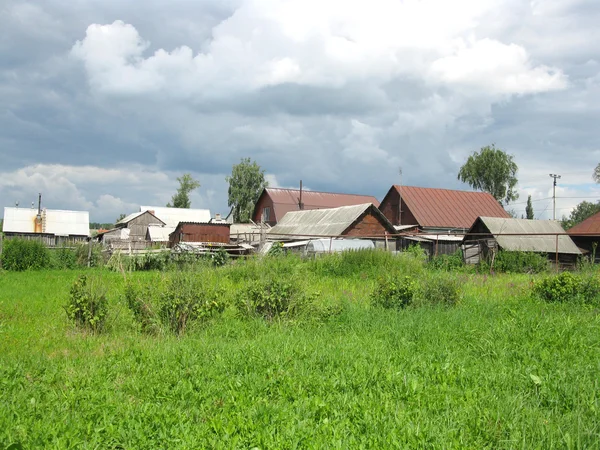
{"points": [[138, 224], [438, 210], [487, 235], [200, 232], [586, 235], [363, 220], [274, 203]]}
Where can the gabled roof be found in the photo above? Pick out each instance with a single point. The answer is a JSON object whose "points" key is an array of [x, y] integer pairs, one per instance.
{"points": [[135, 215], [172, 216], [446, 208], [533, 243], [324, 222], [589, 225], [286, 200]]}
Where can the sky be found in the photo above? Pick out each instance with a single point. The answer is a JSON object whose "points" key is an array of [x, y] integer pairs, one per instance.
{"points": [[104, 103]]}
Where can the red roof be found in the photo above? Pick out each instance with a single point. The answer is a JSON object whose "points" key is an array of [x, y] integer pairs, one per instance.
{"points": [[447, 208], [286, 200], [589, 225]]}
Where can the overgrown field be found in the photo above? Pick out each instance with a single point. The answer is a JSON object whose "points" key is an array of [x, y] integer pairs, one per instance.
{"points": [[290, 354]]}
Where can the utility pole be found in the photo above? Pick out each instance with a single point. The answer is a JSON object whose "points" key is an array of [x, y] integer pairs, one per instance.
{"points": [[555, 176]]}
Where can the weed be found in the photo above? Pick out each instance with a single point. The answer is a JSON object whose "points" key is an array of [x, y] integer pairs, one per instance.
{"points": [[394, 292], [568, 287], [439, 289], [270, 297], [521, 262], [20, 254], [87, 306]]}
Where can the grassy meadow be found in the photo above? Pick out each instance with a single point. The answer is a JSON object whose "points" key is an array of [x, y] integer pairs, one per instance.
{"points": [[499, 369]]}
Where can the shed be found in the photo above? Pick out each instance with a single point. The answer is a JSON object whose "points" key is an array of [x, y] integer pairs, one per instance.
{"points": [[172, 216], [274, 203], [138, 224], [586, 235], [487, 234], [363, 220], [316, 246], [159, 234], [200, 232], [438, 210]]}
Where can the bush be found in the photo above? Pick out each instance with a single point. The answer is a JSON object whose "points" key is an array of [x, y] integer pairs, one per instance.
{"points": [[139, 300], [521, 262], [568, 287], [82, 250], [188, 298], [439, 290], [270, 297], [394, 292], [63, 258], [449, 263], [21, 254], [220, 257], [87, 306]]}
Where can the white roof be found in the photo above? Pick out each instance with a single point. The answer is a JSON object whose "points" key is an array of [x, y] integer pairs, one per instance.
{"points": [[172, 216], [159, 234], [55, 221]]}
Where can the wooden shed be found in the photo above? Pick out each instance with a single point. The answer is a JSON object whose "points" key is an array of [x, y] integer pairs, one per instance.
{"points": [[200, 232], [138, 223]]}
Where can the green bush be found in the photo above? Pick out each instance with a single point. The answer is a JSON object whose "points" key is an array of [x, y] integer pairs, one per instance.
{"points": [[440, 289], [568, 287], [63, 258], [270, 297], [87, 306], [140, 299], [188, 298], [21, 254], [449, 263], [220, 257], [521, 262], [394, 292], [82, 250]]}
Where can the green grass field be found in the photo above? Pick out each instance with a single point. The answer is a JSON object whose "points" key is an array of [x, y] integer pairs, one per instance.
{"points": [[499, 370]]}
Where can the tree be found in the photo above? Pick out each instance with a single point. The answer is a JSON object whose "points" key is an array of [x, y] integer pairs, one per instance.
{"points": [[121, 217], [246, 182], [182, 198], [596, 174], [529, 208], [581, 212], [491, 170]]}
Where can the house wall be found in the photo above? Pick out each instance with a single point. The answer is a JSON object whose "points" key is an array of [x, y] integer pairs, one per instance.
{"points": [[389, 208], [265, 202], [366, 226], [139, 226], [200, 232], [49, 240]]}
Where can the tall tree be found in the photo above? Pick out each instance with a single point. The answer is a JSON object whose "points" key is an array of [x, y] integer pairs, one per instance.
{"points": [[246, 182], [529, 208], [182, 198], [596, 174], [491, 170], [121, 217], [581, 212]]}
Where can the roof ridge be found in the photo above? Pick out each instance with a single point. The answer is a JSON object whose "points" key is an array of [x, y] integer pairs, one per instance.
{"points": [[321, 192]]}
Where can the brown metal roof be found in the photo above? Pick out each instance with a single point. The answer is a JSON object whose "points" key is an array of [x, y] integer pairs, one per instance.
{"points": [[286, 200], [448, 208], [589, 225]]}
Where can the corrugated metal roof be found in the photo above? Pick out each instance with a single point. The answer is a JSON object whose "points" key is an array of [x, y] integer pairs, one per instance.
{"points": [[449, 208], [589, 225], [56, 221], [533, 243], [324, 222], [172, 216], [286, 200], [158, 233], [337, 245]]}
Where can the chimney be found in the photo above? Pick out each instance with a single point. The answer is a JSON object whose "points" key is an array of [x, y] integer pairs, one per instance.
{"points": [[300, 204], [217, 216]]}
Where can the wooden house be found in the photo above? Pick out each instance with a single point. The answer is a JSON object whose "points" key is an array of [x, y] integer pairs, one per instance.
{"points": [[586, 235], [274, 203], [138, 224], [200, 232], [438, 210]]}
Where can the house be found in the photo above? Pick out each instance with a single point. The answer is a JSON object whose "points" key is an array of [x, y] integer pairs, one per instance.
{"points": [[172, 216], [438, 210], [363, 220], [487, 235], [138, 224], [53, 227], [273, 203], [200, 232], [586, 235]]}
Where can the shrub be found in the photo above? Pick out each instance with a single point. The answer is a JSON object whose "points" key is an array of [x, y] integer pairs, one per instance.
{"points": [[188, 298], [394, 292], [568, 287], [139, 300], [21, 254], [82, 250], [439, 290], [63, 258], [87, 306], [271, 297], [449, 263], [220, 257], [521, 262]]}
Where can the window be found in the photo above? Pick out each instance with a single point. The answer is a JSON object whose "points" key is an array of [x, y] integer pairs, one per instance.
{"points": [[266, 215]]}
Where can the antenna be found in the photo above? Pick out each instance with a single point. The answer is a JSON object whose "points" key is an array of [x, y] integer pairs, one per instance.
{"points": [[554, 176], [400, 196]]}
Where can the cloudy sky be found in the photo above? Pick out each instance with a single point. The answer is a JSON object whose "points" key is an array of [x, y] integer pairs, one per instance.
{"points": [[103, 103]]}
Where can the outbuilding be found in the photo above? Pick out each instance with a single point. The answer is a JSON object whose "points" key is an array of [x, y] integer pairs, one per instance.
{"points": [[200, 232]]}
